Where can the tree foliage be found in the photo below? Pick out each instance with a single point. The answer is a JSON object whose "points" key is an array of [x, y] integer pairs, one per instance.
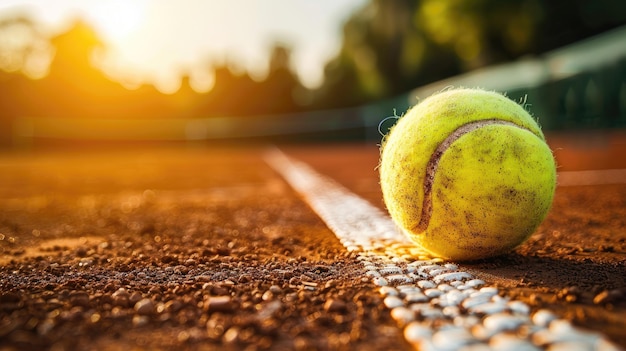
{"points": [[392, 46], [388, 48]]}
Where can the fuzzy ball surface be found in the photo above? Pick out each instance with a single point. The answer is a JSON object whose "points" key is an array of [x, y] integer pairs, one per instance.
{"points": [[467, 174]]}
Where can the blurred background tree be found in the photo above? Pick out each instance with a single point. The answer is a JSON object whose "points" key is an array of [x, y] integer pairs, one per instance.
{"points": [[388, 47], [23, 48], [24, 55]]}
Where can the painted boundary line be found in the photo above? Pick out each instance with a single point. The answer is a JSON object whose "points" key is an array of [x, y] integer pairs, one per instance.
{"points": [[439, 306]]}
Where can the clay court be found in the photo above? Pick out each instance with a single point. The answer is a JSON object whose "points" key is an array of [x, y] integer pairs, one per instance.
{"points": [[199, 175], [207, 247]]}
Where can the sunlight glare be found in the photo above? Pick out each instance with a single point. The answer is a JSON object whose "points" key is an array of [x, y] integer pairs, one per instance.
{"points": [[118, 19]]}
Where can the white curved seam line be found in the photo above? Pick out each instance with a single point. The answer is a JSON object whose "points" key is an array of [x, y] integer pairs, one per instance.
{"points": [[435, 157]]}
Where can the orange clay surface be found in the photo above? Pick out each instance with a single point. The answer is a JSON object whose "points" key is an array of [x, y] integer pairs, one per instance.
{"points": [[222, 254]]}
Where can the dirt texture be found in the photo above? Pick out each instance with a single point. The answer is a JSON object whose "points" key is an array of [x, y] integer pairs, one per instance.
{"points": [[207, 248], [574, 264], [204, 249]]}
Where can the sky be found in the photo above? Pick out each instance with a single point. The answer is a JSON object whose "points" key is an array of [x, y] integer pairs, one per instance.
{"points": [[156, 41]]}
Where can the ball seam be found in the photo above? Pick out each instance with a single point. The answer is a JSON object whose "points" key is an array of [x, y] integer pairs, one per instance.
{"points": [[433, 163]]}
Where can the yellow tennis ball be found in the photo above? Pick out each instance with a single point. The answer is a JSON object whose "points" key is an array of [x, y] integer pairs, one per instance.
{"points": [[467, 174]]}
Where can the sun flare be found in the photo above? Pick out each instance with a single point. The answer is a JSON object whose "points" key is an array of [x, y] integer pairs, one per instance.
{"points": [[118, 19]]}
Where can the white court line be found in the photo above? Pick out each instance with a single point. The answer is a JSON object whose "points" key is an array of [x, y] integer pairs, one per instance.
{"points": [[595, 177], [438, 305]]}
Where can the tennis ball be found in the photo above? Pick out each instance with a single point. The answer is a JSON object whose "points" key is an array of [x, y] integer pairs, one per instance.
{"points": [[467, 174]]}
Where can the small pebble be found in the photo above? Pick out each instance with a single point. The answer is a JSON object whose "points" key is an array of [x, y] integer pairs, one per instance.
{"points": [[121, 292], [453, 338], [447, 277], [380, 281], [415, 333], [231, 335], [543, 318], [388, 291], [270, 310], [467, 291], [135, 297], [267, 296], [436, 272], [489, 308], [489, 290], [451, 266], [408, 289], [503, 321], [519, 307], [445, 287], [220, 304], [275, 289], [509, 342], [144, 307], [140, 321], [561, 326], [476, 300], [45, 327], [474, 283], [402, 315], [433, 293], [415, 297], [451, 298], [183, 336], [86, 262], [393, 302], [426, 284], [466, 321], [173, 306], [562, 331], [502, 299], [451, 311], [608, 296]]}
